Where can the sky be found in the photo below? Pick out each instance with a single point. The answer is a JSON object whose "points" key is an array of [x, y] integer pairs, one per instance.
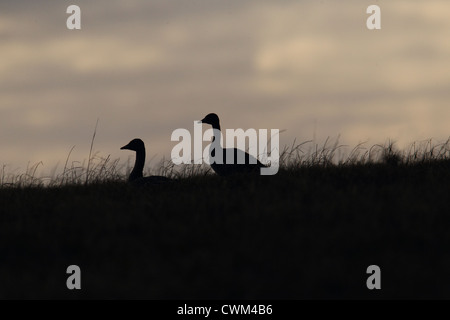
{"points": [[145, 68]]}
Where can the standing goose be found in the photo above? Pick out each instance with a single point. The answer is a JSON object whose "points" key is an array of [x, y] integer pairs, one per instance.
{"points": [[136, 177], [251, 164]]}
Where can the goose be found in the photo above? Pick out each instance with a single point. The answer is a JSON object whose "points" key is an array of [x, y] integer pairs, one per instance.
{"points": [[136, 177], [251, 164]]}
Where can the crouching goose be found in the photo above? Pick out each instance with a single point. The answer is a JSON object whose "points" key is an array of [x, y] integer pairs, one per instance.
{"points": [[136, 177], [251, 164]]}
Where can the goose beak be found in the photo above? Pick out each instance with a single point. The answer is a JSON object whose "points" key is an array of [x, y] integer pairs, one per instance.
{"points": [[125, 147]]}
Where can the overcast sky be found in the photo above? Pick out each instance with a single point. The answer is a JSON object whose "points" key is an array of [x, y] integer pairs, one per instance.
{"points": [[145, 68]]}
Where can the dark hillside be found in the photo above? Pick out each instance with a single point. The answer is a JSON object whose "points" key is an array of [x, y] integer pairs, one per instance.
{"points": [[309, 232]]}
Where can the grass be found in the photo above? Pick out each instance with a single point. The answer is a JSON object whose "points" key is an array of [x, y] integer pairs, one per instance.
{"points": [[310, 231]]}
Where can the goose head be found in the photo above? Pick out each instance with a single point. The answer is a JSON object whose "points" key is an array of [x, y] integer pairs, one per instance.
{"points": [[135, 145], [211, 119]]}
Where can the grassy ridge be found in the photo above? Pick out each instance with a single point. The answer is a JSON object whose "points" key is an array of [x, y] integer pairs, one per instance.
{"points": [[307, 232]]}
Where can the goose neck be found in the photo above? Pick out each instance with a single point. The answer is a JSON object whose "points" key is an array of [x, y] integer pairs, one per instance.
{"points": [[138, 165], [217, 134]]}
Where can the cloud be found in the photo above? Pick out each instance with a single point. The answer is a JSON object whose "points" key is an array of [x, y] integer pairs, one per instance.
{"points": [[146, 68]]}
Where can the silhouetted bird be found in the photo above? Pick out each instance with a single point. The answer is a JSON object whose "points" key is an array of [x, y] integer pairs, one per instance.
{"points": [[251, 164], [136, 177]]}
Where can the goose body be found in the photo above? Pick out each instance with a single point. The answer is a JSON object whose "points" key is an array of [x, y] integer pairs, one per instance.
{"points": [[136, 176], [251, 164]]}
